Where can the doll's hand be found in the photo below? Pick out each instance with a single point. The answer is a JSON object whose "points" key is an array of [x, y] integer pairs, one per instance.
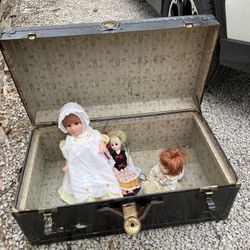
{"points": [[66, 167], [102, 148]]}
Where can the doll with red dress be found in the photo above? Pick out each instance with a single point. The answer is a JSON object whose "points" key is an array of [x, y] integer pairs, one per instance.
{"points": [[126, 173], [165, 175]]}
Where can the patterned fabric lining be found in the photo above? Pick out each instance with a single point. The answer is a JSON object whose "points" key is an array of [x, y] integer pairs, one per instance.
{"points": [[128, 109], [134, 70]]}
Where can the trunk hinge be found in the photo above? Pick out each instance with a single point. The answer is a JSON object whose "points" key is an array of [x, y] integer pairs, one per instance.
{"points": [[48, 220], [199, 107]]}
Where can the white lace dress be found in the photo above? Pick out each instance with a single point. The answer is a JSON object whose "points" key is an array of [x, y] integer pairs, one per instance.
{"points": [[90, 175]]}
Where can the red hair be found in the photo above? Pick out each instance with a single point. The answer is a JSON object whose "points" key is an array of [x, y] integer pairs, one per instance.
{"points": [[173, 160]]}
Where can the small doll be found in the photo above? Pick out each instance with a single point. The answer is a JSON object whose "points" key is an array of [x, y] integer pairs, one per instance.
{"points": [[165, 175], [88, 174], [126, 174]]}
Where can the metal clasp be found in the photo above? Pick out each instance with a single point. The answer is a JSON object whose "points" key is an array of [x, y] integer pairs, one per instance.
{"points": [[32, 36], [189, 25], [132, 224], [208, 192], [109, 25], [132, 217], [48, 219]]}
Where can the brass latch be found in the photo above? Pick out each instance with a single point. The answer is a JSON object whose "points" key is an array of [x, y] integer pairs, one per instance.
{"points": [[32, 36], [209, 190], [109, 25], [189, 25], [48, 210], [132, 217], [132, 224]]}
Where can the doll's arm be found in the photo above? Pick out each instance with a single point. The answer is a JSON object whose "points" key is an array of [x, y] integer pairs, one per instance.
{"points": [[181, 175], [102, 147], [153, 173], [105, 139], [66, 167], [61, 145]]}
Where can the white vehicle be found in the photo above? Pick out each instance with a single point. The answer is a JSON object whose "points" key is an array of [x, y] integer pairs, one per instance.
{"points": [[233, 47]]}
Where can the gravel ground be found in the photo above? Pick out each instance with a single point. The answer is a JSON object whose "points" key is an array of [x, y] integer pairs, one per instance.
{"points": [[226, 107]]}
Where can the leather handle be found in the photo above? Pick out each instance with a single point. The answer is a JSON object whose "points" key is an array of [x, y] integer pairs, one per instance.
{"points": [[112, 210], [211, 207], [145, 209], [142, 213]]}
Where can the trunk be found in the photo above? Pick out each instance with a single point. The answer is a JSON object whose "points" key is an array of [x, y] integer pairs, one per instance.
{"points": [[144, 77]]}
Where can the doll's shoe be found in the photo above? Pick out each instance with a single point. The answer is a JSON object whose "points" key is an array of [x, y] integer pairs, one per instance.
{"points": [[136, 191], [128, 194], [132, 193]]}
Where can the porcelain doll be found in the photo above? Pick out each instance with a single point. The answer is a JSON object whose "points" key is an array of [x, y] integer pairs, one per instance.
{"points": [[165, 175], [126, 173], [88, 173]]}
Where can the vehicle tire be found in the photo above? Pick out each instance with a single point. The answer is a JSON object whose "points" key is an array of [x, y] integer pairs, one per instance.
{"points": [[195, 7]]}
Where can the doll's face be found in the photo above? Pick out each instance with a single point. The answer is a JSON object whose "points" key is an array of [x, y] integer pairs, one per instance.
{"points": [[115, 143], [73, 125]]}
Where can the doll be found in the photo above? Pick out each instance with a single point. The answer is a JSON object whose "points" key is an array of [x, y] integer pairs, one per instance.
{"points": [[126, 174], [88, 174], [165, 175]]}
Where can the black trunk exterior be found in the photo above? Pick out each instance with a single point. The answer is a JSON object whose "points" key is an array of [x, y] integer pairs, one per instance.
{"points": [[89, 220]]}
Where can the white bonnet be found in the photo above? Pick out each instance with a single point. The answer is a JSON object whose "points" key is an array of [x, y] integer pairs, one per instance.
{"points": [[76, 109]]}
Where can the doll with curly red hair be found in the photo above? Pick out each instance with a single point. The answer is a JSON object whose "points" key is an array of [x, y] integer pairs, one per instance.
{"points": [[165, 175]]}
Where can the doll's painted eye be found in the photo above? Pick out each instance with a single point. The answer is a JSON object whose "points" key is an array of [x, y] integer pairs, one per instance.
{"points": [[76, 123], [68, 126], [116, 144]]}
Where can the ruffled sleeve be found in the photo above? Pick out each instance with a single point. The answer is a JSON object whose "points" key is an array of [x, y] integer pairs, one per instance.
{"points": [[63, 145]]}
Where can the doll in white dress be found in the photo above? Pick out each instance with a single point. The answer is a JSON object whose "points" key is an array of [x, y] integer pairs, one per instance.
{"points": [[88, 174], [165, 175]]}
